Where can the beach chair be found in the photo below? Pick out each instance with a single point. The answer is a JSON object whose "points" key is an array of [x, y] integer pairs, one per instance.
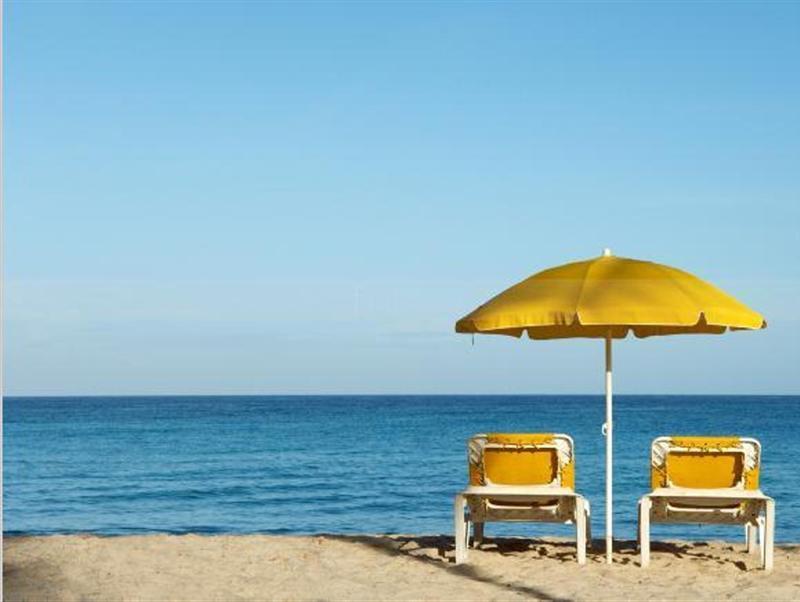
{"points": [[520, 477], [708, 480]]}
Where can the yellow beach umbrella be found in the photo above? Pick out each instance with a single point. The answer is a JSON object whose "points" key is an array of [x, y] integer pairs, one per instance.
{"points": [[606, 298]]}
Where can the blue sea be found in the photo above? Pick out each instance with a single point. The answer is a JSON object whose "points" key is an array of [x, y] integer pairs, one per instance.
{"points": [[344, 464]]}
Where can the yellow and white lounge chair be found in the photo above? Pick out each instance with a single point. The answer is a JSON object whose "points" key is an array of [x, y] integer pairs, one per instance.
{"points": [[520, 477], [708, 480]]}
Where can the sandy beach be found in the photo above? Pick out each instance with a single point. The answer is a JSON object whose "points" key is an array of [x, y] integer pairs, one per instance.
{"points": [[335, 567]]}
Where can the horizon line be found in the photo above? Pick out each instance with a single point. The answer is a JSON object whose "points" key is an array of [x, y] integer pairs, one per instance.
{"points": [[598, 394]]}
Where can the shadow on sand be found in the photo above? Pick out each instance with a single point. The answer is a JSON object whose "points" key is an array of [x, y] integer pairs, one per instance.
{"points": [[438, 551]]}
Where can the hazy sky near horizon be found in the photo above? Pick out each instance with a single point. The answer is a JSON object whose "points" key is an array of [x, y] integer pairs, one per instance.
{"points": [[303, 198]]}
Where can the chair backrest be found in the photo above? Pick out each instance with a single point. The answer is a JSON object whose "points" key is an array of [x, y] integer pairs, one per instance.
{"points": [[522, 459], [705, 462]]}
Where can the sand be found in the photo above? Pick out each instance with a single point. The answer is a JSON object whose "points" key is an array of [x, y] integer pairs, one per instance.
{"points": [[335, 567]]}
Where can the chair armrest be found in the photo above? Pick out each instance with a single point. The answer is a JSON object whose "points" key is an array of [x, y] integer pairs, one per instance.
{"points": [[518, 491], [708, 494]]}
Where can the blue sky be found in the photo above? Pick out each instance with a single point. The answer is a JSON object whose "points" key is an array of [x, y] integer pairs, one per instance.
{"points": [[303, 198]]}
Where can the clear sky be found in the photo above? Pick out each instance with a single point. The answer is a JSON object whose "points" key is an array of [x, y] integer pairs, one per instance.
{"points": [[303, 198]]}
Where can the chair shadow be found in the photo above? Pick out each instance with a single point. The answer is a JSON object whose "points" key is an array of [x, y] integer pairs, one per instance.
{"points": [[627, 551], [695, 550]]}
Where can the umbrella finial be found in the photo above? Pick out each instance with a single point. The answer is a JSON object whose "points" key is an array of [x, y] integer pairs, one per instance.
{"points": [[606, 252]]}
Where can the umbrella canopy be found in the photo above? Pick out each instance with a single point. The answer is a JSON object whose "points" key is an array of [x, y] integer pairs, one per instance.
{"points": [[608, 297]]}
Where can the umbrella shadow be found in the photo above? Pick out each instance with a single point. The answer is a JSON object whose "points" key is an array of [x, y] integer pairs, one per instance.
{"points": [[438, 551]]}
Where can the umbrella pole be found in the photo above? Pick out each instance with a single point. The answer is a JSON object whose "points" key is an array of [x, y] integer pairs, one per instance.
{"points": [[609, 431]]}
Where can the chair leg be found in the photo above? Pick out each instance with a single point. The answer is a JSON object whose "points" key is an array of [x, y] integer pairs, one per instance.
{"points": [[752, 536], [580, 530], [639, 527], [768, 541], [477, 537], [588, 524], [461, 529], [644, 530]]}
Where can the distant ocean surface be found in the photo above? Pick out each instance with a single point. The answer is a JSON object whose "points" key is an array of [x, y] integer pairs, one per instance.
{"points": [[344, 464]]}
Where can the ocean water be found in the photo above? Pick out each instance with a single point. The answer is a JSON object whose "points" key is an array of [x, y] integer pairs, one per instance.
{"points": [[344, 464]]}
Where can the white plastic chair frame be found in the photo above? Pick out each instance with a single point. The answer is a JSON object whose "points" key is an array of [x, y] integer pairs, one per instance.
{"points": [[553, 503], [735, 505]]}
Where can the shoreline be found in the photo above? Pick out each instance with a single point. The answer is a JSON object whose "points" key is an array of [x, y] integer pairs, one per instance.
{"points": [[379, 567]]}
